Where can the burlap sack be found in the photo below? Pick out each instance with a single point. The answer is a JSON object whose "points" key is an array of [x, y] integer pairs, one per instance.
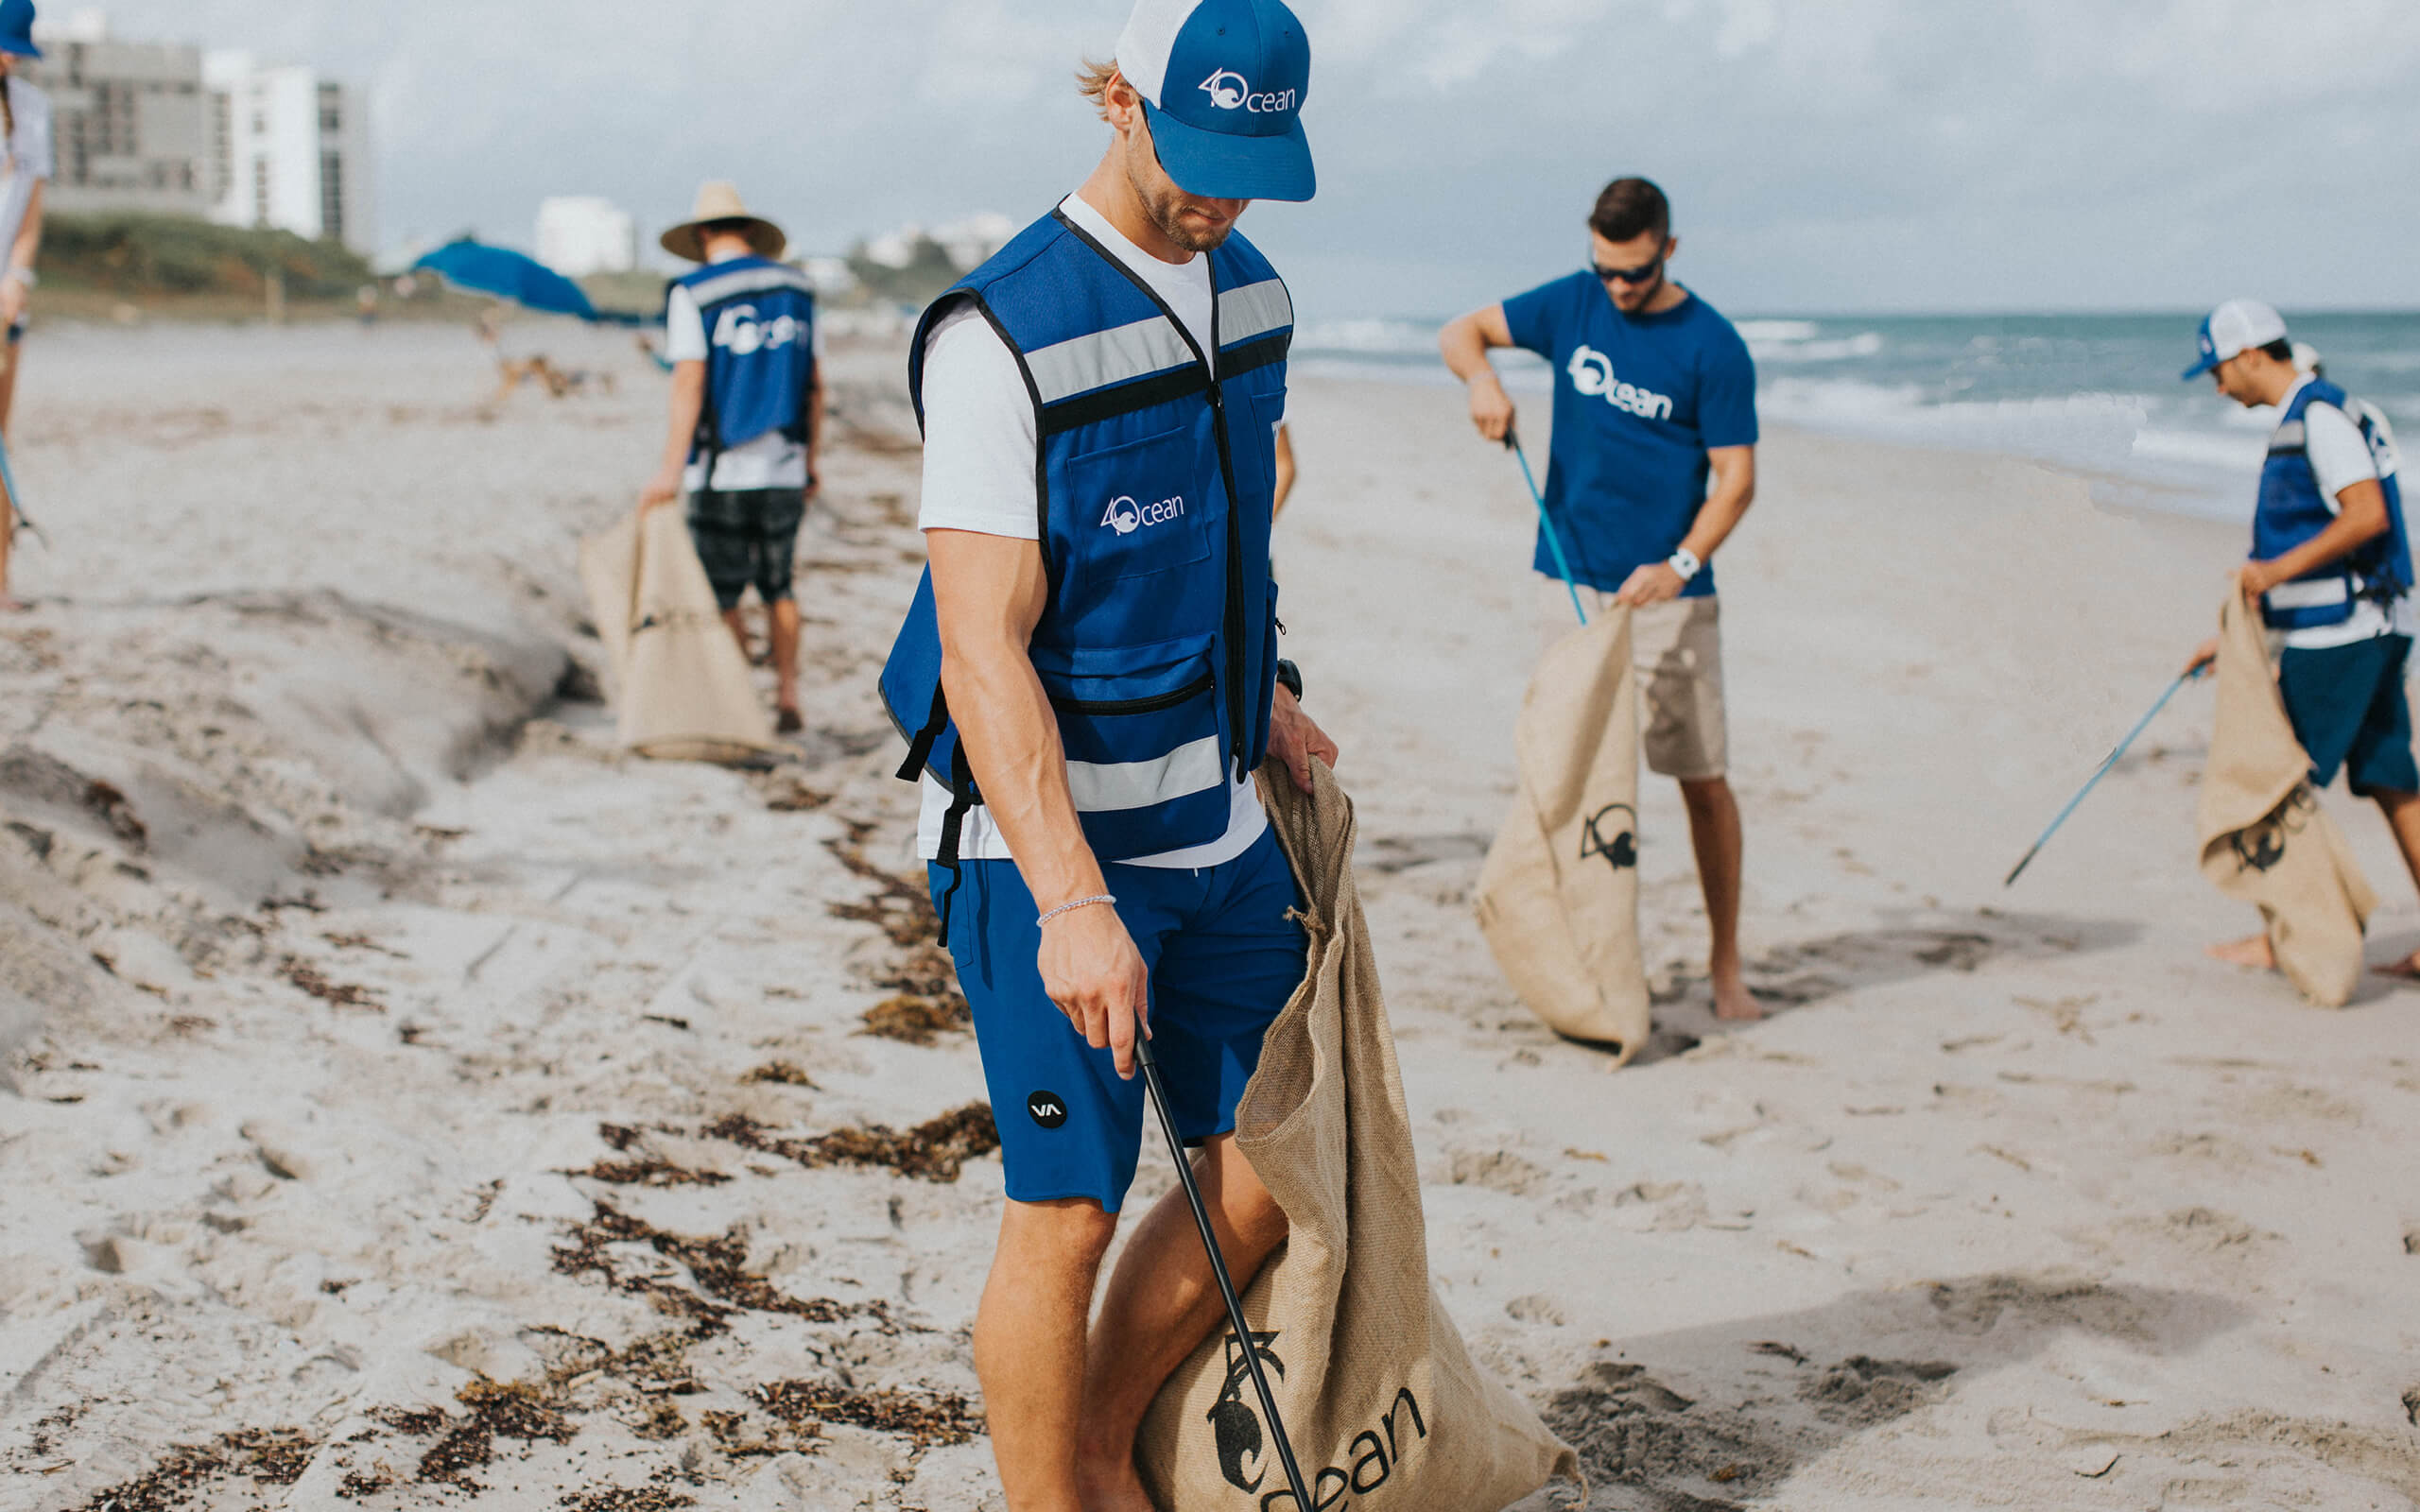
{"points": [[1382, 1402], [681, 687], [2264, 837], [1558, 895]]}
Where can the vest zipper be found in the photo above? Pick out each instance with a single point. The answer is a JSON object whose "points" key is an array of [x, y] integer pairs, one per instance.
{"points": [[1234, 614], [1137, 706]]}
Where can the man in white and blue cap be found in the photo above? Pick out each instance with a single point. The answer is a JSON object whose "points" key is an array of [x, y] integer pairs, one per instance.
{"points": [[2331, 572], [1087, 681]]}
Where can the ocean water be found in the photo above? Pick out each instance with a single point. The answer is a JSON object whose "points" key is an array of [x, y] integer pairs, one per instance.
{"points": [[2094, 394]]}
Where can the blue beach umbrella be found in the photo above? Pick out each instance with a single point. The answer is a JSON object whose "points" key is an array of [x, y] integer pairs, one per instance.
{"points": [[509, 275]]}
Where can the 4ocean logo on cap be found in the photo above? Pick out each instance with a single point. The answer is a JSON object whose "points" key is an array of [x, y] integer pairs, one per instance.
{"points": [[1230, 90], [1591, 373]]}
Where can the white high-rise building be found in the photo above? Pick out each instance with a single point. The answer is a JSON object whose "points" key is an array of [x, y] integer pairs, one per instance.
{"points": [[579, 235], [290, 151]]}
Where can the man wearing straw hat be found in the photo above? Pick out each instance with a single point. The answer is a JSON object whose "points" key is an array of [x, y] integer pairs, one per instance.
{"points": [[1089, 677], [747, 409]]}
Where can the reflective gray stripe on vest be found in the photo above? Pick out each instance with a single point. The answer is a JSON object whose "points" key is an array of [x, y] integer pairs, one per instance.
{"points": [[1253, 310], [749, 280], [2317, 593], [2292, 437], [1107, 357], [1101, 787]]}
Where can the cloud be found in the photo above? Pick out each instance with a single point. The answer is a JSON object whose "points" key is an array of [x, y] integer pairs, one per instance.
{"points": [[1824, 153]]}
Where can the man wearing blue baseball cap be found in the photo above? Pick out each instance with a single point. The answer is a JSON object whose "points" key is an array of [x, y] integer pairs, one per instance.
{"points": [[2331, 572], [1088, 679]]}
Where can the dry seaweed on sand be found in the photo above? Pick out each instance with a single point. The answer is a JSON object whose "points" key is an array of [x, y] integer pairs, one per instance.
{"points": [[496, 1410], [934, 1150], [918, 1020], [780, 1073], [267, 1456], [717, 1265], [338, 994], [943, 1418], [627, 1499], [649, 1171]]}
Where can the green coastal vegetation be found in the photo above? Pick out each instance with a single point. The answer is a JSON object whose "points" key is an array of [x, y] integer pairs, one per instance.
{"points": [[135, 256]]}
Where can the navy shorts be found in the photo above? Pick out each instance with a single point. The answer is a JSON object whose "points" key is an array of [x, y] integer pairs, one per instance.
{"points": [[1224, 953], [746, 536], [2348, 709]]}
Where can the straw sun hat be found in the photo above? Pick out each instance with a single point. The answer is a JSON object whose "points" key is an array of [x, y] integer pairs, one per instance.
{"points": [[718, 201]]}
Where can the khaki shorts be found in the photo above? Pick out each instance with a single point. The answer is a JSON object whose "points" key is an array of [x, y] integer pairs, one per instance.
{"points": [[1676, 649]]}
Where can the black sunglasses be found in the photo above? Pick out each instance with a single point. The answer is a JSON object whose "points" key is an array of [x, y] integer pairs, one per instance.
{"points": [[1645, 272]]}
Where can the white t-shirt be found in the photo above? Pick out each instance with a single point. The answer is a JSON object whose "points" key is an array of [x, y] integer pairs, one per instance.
{"points": [[2340, 459], [29, 158], [980, 446], [772, 460]]}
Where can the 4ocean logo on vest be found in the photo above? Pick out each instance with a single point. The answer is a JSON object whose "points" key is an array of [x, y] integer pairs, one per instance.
{"points": [[1125, 516], [739, 331], [1591, 373]]}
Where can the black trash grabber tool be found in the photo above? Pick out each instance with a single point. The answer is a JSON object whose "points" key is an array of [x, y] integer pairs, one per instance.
{"points": [[1219, 1268]]}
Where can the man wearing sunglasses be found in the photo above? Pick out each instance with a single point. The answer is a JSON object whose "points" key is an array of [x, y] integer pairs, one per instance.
{"points": [[1654, 464]]}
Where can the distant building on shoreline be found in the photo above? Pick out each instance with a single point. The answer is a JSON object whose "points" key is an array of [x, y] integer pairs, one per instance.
{"points": [[131, 122], [165, 128], [579, 235], [291, 151]]}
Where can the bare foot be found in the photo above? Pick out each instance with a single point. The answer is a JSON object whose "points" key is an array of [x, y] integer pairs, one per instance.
{"points": [[787, 721], [12, 605], [2405, 969], [2253, 952], [1112, 1487], [1734, 1002]]}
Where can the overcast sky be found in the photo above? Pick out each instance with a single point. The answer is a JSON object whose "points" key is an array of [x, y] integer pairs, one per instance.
{"points": [[1823, 155]]}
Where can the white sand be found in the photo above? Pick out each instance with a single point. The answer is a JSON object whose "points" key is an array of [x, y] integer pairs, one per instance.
{"points": [[2020, 1202]]}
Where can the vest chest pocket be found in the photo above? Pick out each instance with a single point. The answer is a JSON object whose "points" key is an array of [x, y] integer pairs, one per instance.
{"points": [[1141, 506]]}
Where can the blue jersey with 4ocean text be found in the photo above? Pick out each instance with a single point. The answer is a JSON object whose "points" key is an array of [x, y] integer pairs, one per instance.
{"points": [[1638, 402]]}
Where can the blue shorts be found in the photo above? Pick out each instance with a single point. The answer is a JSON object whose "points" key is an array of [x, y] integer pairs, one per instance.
{"points": [[2348, 709], [1224, 954]]}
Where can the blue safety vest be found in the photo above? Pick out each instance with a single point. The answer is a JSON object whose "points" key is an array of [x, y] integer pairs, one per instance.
{"points": [[760, 351], [2292, 510], [1154, 494]]}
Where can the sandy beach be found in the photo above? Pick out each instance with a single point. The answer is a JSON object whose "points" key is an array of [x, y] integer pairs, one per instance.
{"points": [[410, 1103]]}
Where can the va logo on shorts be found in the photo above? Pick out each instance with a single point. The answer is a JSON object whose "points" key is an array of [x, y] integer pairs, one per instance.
{"points": [[1611, 831], [1049, 1110]]}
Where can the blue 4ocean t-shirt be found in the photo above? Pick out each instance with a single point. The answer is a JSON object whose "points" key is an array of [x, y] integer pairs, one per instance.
{"points": [[1638, 399]]}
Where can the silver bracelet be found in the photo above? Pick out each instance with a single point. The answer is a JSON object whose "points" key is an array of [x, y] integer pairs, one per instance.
{"points": [[1080, 902]]}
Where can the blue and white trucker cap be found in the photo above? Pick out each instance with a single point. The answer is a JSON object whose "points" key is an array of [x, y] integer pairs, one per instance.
{"points": [[2235, 328], [1222, 84]]}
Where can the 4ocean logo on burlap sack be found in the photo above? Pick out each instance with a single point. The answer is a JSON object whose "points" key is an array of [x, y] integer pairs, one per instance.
{"points": [[1611, 831], [1242, 1448]]}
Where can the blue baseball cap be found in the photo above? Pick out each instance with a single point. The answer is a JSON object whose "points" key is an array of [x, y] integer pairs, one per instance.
{"points": [[1222, 84], [17, 28], [2235, 328]]}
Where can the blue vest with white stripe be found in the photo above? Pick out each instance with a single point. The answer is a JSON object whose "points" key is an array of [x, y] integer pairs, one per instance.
{"points": [[2293, 511], [1154, 494], [760, 350]]}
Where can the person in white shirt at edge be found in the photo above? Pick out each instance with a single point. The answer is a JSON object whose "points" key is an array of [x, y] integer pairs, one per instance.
{"points": [[746, 407], [1064, 1402], [27, 165], [2331, 573]]}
